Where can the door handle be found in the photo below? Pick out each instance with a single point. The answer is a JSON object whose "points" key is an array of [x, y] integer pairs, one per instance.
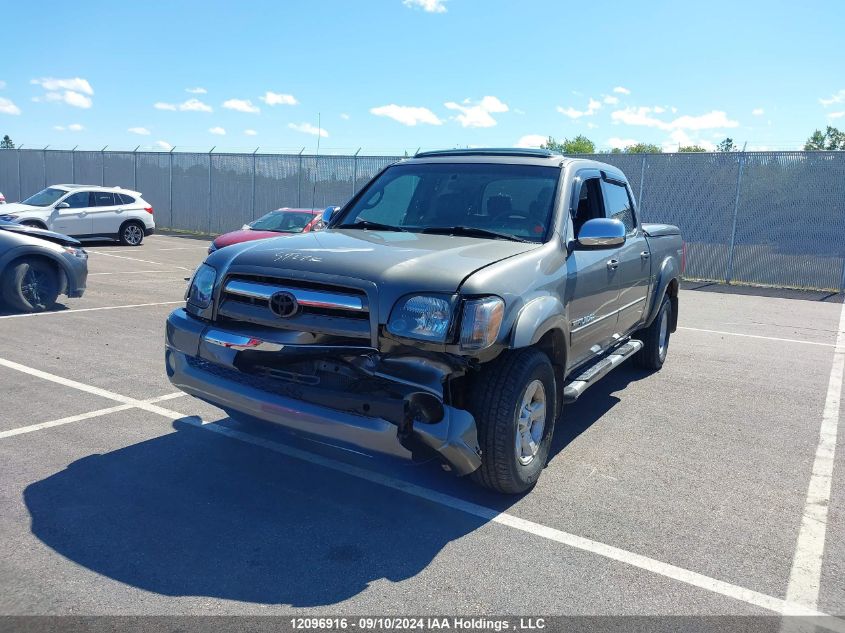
{"points": [[645, 254], [613, 264]]}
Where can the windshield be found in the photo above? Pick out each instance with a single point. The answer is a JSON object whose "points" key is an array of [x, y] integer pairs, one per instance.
{"points": [[283, 221], [45, 197], [511, 200]]}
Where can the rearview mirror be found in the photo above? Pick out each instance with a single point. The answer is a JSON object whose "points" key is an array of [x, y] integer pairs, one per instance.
{"points": [[63, 205], [601, 233], [328, 214]]}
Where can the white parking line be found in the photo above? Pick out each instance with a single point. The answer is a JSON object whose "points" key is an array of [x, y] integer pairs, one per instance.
{"points": [[135, 259], [767, 338], [632, 559], [181, 248], [805, 577], [76, 311], [134, 272]]}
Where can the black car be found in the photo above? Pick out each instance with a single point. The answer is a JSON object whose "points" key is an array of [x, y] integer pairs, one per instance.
{"points": [[36, 266]]}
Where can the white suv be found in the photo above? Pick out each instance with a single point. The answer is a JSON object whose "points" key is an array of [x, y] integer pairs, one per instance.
{"points": [[84, 211]]}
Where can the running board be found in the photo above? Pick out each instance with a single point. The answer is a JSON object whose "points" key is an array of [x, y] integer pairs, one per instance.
{"points": [[594, 373]]}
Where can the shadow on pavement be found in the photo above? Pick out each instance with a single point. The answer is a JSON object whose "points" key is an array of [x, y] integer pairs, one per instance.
{"points": [[763, 291]]}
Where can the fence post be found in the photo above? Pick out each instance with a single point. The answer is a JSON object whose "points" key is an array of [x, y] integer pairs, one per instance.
{"points": [[103, 166], [73, 165], [354, 171], [20, 183], [44, 163], [209, 188], [135, 169], [299, 181], [730, 269], [253, 181], [642, 184], [170, 186]]}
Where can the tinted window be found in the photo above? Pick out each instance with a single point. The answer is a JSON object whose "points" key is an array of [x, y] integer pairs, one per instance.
{"points": [[510, 199], [78, 200], [122, 198], [283, 221], [103, 199], [589, 205], [618, 204]]}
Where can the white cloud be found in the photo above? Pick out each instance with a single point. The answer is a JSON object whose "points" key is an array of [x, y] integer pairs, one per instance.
{"points": [[196, 91], [139, 130], [478, 114], [715, 119], [407, 115], [836, 115], [164, 145], [659, 109], [219, 131], [241, 105], [191, 105], [250, 132], [591, 125], [7, 106], [344, 116], [429, 6], [75, 127], [839, 97], [2, 84], [758, 112], [59, 128], [277, 98], [70, 97], [679, 138], [307, 128], [622, 91], [610, 100], [621, 143], [531, 140], [77, 84], [592, 107]]}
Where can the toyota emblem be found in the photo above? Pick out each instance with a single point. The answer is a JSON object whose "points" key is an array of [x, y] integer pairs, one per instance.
{"points": [[283, 304]]}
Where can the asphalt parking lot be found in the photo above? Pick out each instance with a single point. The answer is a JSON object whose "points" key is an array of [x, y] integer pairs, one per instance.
{"points": [[681, 492]]}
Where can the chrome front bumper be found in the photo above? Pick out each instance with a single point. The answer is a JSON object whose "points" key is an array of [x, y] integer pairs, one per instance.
{"points": [[200, 360]]}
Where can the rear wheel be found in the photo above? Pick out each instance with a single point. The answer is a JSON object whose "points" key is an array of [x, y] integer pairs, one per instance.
{"points": [[655, 339], [31, 285], [131, 234], [513, 401]]}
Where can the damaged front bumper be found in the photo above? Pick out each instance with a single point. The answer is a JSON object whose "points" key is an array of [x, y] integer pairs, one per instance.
{"points": [[350, 395]]}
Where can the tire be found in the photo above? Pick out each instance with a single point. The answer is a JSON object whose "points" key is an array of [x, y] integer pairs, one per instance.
{"points": [[30, 285], [131, 233], [504, 388], [655, 339]]}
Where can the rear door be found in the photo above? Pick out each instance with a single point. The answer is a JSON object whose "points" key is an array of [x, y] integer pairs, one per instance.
{"points": [[591, 286], [104, 213], [75, 219], [634, 270]]}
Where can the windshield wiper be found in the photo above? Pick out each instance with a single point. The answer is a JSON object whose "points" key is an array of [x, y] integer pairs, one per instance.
{"points": [[472, 231], [367, 224]]}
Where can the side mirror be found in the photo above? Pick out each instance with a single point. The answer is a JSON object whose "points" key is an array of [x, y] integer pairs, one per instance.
{"points": [[328, 214], [63, 205], [602, 233]]}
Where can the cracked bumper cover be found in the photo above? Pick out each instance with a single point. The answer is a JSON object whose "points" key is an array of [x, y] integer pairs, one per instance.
{"points": [[207, 371]]}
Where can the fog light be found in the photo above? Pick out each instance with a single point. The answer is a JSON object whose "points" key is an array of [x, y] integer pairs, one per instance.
{"points": [[425, 407]]}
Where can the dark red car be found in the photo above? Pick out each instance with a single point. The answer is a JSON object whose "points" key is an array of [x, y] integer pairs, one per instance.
{"points": [[279, 222]]}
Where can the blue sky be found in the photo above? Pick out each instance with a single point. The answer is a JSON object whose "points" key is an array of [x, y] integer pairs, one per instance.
{"points": [[388, 75]]}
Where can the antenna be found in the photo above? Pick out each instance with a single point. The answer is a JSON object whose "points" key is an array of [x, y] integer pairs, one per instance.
{"points": [[316, 163]]}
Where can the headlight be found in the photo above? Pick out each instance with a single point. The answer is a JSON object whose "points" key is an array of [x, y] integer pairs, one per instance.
{"points": [[481, 321], [76, 252], [423, 317], [201, 286]]}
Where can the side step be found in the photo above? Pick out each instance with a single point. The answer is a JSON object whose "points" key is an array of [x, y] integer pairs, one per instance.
{"points": [[596, 372]]}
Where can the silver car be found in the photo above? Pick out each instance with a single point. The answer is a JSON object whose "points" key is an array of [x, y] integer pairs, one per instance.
{"points": [[36, 266]]}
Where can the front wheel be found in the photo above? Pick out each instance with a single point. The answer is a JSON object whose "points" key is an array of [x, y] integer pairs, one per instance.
{"points": [[513, 401], [30, 285], [132, 234]]}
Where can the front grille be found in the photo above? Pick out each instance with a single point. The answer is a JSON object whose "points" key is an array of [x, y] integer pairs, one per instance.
{"points": [[322, 308]]}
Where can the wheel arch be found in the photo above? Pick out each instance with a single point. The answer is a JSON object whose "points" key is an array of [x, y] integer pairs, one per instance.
{"points": [[32, 253]]}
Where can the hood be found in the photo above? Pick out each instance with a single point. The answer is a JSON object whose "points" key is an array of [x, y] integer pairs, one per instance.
{"points": [[11, 208], [400, 262], [245, 235], [50, 236]]}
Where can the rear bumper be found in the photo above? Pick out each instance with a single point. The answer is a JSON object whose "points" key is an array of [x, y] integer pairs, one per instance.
{"points": [[150, 230], [206, 371]]}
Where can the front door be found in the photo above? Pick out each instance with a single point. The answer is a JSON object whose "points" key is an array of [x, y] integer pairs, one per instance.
{"points": [[74, 219]]}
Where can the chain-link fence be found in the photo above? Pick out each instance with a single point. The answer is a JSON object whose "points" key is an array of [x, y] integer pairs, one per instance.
{"points": [[773, 218]]}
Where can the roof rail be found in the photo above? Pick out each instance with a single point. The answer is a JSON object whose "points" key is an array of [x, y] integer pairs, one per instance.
{"points": [[490, 151]]}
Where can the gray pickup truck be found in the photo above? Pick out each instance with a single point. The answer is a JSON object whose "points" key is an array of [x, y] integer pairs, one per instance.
{"points": [[449, 310]]}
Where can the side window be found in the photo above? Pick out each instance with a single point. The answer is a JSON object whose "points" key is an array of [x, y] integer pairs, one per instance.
{"points": [[79, 200], [589, 204], [103, 199], [618, 204], [122, 198]]}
